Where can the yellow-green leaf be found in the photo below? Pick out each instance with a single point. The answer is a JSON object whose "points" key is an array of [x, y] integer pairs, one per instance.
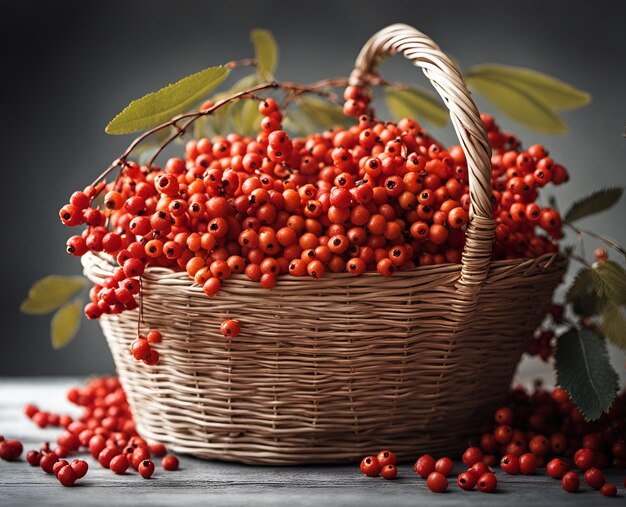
{"points": [[160, 106], [324, 114], [65, 323], [266, 51], [416, 103], [297, 123], [611, 282], [515, 101], [51, 292], [245, 117], [218, 120], [554, 92], [614, 324]]}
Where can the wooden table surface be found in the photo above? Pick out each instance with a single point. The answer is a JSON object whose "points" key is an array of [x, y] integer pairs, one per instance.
{"points": [[208, 483]]}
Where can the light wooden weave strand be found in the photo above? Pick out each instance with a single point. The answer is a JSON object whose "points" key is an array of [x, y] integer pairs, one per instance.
{"points": [[332, 369]]}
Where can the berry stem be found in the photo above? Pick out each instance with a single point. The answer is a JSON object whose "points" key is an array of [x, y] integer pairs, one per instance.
{"points": [[605, 239], [244, 62]]}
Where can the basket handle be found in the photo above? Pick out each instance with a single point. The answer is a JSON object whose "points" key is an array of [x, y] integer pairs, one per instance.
{"points": [[448, 81]]}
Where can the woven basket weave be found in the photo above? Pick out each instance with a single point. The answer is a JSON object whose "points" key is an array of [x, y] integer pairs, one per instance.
{"points": [[332, 369]]}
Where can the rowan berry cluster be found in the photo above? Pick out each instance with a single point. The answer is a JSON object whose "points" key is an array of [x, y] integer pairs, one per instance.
{"points": [[546, 430], [106, 429], [374, 197], [528, 433]]}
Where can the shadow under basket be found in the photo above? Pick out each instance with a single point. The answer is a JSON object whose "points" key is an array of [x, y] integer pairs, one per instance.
{"points": [[327, 370]]}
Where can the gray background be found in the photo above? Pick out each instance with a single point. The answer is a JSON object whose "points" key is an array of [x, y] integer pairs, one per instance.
{"points": [[69, 67]]}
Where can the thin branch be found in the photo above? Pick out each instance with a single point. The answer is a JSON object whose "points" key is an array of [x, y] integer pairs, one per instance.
{"points": [[245, 62], [605, 239]]}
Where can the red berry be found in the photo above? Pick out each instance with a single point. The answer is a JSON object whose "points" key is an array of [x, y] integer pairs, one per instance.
{"points": [[503, 434], [33, 457], [557, 468], [96, 444], [146, 468], [504, 415], [594, 478], [154, 336], [230, 328], [80, 467], [370, 466], [424, 466], [479, 468], [140, 348], [527, 463], [570, 482], [106, 455], [472, 455], [466, 481], [386, 458], [510, 464], [487, 483], [444, 466], [10, 449], [389, 472], [67, 476], [539, 445], [157, 449], [584, 458], [47, 462], [58, 465], [437, 482], [119, 464], [608, 489], [61, 451], [170, 463]]}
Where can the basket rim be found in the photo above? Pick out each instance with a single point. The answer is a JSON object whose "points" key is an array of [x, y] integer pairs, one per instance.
{"points": [[545, 261]]}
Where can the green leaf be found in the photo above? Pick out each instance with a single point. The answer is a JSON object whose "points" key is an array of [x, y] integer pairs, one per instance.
{"points": [[323, 114], [51, 292], [583, 369], [65, 323], [596, 202], [551, 91], [614, 324], [266, 51], [610, 282], [246, 118], [416, 103], [219, 119], [582, 295], [160, 106], [516, 102], [296, 123]]}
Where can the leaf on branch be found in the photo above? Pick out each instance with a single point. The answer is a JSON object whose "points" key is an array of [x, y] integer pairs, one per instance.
{"points": [[594, 203], [160, 106], [323, 113], [416, 103], [582, 295], [51, 292], [65, 324], [266, 51], [219, 119], [246, 118], [614, 324], [583, 369], [517, 102], [611, 282], [553, 92]]}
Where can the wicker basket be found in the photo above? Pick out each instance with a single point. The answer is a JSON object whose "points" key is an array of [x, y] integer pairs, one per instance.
{"points": [[328, 370]]}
